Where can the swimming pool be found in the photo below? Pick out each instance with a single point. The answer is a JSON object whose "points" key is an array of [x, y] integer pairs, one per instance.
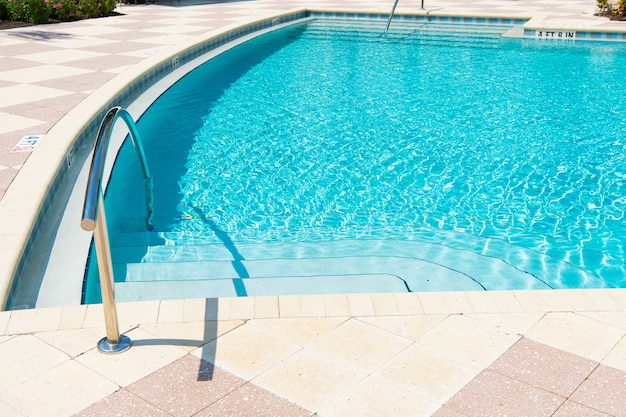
{"points": [[455, 161]]}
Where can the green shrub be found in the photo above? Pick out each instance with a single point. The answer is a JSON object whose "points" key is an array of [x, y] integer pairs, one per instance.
{"points": [[37, 11], [4, 11], [62, 9], [17, 10]]}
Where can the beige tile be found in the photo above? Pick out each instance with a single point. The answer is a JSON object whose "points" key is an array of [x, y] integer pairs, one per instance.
{"points": [[619, 295], [289, 306], [617, 356], [242, 308], [60, 391], [482, 302], [4, 321], [566, 300], [130, 315], [376, 397], [431, 374], [361, 305], [385, 304], [266, 308], [223, 308], [576, 334], [299, 331], [336, 305], [312, 306], [25, 357], [72, 317], [360, 345], [408, 303], [34, 320], [599, 300], [494, 302], [72, 342], [590, 300], [614, 318], [468, 340], [191, 335], [94, 316], [310, 380], [531, 301], [40, 73], [11, 123], [171, 311], [247, 351], [146, 355], [408, 327], [8, 411], [445, 302], [24, 93], [199, 309], [509, 323]]}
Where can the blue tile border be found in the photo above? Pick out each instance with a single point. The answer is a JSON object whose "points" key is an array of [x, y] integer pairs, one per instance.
{"points": [[87, 137]]}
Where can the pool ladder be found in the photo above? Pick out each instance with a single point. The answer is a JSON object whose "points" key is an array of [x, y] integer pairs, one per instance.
{"points": [[93, 219], [393, 10]]}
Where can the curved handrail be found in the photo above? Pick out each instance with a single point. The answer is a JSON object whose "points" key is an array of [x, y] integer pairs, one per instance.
{"points": [[94, 220], [94, 184]]}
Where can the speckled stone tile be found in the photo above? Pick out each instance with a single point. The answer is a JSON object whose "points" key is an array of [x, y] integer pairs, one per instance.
{"points": [[495, 395], [544, 367], [186, 386], [572, 409], [446, 412], [604, 390], [123, 403], [251, 400]]}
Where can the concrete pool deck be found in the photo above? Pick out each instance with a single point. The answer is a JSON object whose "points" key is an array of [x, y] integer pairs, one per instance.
{"points": [[522, 353]]}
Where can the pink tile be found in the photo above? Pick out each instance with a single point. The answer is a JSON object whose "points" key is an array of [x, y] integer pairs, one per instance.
{"points": [[544, 367], [572, 409], [186, 386], [6, 178], [121, 403], [251, 400], [446, 412], [604, 390], [492, 394]]}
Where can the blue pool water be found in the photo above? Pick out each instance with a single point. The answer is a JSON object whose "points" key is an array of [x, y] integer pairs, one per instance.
{"points": [[440, 136]]}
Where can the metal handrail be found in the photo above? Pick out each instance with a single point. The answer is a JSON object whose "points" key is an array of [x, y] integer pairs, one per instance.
{"points": [[93, 219], [393, 10]]}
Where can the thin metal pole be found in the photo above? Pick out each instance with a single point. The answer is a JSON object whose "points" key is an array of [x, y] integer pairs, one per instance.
{"points": [[422, 5], [393, 10], [113, 342]]}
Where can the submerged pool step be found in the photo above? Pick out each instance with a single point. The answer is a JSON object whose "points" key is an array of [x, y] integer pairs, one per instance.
{"points": [[164, 290], [287, 268], [403, 32], [493, 263]]}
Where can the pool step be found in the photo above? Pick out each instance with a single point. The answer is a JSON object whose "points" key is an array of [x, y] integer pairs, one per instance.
{"points": [[215, 269], [164, 290], [407, 32], [486, 260]]}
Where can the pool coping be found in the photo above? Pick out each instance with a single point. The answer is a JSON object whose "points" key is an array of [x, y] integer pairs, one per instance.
{"points": [[25, 204]]}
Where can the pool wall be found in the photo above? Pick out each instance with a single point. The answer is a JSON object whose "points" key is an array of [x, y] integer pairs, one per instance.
{"points": [[70, 140]]}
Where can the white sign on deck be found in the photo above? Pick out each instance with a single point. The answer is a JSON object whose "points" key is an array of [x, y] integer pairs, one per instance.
{"points": [[27, 143]]}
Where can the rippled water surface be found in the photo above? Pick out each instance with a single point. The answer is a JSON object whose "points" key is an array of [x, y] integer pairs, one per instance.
{"points": [[331, 131]]}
